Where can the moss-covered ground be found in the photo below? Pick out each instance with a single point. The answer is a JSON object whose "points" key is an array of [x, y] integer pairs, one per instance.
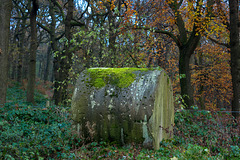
{"points": [[39, 132]]}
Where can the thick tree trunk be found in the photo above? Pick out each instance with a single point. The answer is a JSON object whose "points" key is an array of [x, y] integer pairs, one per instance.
{"points": [[5, 15], [186, 51], [57, 85], [67, 62], [56, 60], [187, 43], [235, 55], [33, 49], [61, 82], [185, 79]]}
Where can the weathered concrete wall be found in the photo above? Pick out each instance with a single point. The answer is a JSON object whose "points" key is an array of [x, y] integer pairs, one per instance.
{"points": [[125, 104]]}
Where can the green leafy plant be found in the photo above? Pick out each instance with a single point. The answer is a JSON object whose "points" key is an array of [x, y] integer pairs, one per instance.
{"points": [[196, 152], [40, 132]]}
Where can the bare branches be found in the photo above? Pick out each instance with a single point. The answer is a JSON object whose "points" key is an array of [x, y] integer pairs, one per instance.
{"points": [[84, 12], [219, 43], [175, 39], [180, 23], [43, 27], [56, 3]]}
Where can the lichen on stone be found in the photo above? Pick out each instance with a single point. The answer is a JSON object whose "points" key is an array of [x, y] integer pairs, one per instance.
{"points": [[120, 77], [142, 113]]}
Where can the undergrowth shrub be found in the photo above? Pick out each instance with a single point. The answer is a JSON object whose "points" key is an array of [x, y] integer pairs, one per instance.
{"points": [[32, 132], [214, 130], [40, 132], [16, 94], [194, 152]]}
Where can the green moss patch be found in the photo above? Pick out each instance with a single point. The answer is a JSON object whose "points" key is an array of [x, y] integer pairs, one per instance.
{"points": [[120, 77]]}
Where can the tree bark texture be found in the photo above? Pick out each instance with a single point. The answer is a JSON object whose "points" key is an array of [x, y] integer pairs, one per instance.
{"points": [[11, 58], [187, 43], [21, 49], [5, 15], [112, 38], [235, 55], [54, 47], [47, 67], [61, 82], [56, 61], [186, 51], [33, 49]]}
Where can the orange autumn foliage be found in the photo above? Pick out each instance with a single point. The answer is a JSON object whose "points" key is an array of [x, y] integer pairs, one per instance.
{"points": [[211, 79]]}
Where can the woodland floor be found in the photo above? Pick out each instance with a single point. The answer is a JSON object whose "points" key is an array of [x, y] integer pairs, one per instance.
{"points": [[39, 132]]}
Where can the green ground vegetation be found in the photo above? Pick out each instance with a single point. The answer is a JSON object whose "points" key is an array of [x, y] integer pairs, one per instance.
{"points": [[39, 132]]}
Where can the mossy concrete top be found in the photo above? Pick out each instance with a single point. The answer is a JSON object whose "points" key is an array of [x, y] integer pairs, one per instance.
{"points": [[124, 104], [120, 77]]}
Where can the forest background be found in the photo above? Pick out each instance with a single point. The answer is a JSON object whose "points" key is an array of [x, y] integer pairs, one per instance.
{"points": [[54, 40], [45, 44]]}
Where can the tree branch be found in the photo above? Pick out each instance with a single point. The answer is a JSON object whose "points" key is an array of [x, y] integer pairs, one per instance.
{"points": [[44, 27], [180, 23], [219, 43], [76, 23], [84, 11], [60, 9], [175, 39], [60, 36]]}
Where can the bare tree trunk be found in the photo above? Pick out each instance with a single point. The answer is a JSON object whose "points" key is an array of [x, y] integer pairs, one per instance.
{"points": [[25, 65], [5, 15], [21, 50], [186, 51], [185, 79], [61, 84], [112, 39], [56, 60], [235, 55], [12, 63], [33, 49], [46, 70]]}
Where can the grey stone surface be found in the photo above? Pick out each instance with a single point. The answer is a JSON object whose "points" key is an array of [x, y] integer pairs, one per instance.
{"points": [[124, 105]]}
